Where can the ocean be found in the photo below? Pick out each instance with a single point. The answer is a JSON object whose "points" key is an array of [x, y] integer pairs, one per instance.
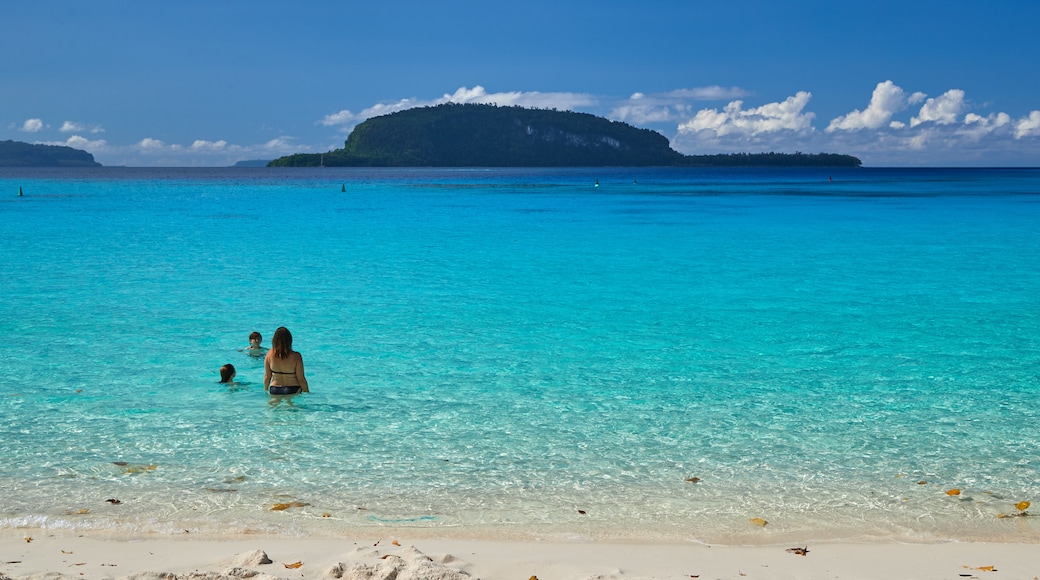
{"points": [[669, 354]]}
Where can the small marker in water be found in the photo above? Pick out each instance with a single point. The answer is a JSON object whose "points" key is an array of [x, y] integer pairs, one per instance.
{"points": [[597, 182], [20, 191], [343, 187]]}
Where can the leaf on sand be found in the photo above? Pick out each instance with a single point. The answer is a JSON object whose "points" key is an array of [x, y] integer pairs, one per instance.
{"points": [[693, 479], [799, 551], [64, 552], [1022, 506], [981, 568], [293, 566], [120, 463], [922, 482], [278, 507], [758, 522], [582, 512], [396, 543], [113, 501], [952, 492]]}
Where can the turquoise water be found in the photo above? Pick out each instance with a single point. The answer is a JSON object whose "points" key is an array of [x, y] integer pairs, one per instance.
{"points": [[491, 351]]}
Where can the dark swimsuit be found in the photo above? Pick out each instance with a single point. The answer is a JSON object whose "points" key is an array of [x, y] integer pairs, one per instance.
{"points": [[283, 390]]}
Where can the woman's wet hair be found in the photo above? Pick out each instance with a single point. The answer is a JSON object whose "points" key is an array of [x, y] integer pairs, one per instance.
{"points": [[227, 372], [281, 342]]}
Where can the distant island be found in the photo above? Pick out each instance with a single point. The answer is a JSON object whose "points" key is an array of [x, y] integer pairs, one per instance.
{"points": [[252, 163], [18, 154], [471, 135]]}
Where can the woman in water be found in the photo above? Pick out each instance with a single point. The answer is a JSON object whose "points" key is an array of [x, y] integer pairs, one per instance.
{"points": [[283, 367]]}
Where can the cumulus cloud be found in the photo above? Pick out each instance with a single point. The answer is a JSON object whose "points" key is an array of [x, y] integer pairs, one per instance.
{"points": [[149, 144], [74, 127], [1028, 126], [202, 145], [464, 95], [669, 107], [887, 100], [942, 110], [32, 125], [734, 120], [78, 142]]}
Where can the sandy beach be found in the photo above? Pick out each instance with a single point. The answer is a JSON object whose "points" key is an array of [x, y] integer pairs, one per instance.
{"points": [[28, 554]]}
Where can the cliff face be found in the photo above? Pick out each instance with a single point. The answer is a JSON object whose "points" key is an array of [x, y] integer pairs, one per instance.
{"points": [[489, 136], [18, 154]]}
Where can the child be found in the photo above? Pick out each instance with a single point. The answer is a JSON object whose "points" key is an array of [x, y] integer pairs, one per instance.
{"points": [[227, 373], [254, 348]]}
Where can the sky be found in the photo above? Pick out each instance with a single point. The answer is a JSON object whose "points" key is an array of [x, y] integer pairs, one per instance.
{"points": [[211, 82]]}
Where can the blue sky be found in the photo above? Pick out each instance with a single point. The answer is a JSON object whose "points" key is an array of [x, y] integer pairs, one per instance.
{"points": [[208, 83]]}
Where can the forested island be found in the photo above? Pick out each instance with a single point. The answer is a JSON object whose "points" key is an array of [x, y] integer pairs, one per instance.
{"points": [[471, 135], [19, 154]]}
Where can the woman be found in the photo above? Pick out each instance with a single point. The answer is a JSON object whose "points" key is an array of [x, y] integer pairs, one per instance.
{"points": [[283, 367]]}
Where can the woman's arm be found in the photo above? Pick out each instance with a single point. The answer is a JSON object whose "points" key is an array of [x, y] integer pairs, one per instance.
{"points": [[267, 369], [299, 374]]}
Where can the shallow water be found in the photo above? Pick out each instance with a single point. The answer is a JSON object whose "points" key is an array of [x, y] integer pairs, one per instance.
{"points": [[491, 351]]}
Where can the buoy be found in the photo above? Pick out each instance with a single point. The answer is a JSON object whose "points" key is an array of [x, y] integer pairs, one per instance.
{"points": [[343, 187], [597, 182], [19, 191]]}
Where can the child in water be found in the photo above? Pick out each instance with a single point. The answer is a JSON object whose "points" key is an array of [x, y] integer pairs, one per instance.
{"points": [[254, 348], [227, 373]]}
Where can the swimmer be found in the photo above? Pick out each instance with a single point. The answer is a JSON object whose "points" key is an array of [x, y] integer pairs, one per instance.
{"points": [[283, 367], [254, 348], [227, 373]]}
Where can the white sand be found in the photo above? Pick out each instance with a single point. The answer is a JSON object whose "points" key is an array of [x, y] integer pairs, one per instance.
{"points": [[50, 555]]}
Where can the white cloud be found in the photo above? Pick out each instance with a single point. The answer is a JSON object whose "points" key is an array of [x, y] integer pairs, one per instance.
{"points": [[942, 110], [734, 120], [712, 93], [32, 125], [202, 145], [149, 144], [1028, 126], [977, 127], [78, 142], [74, 127], [887, 100]]}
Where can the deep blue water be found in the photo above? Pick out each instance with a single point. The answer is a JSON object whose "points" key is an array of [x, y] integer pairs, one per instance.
{"points": [[491, 351]]}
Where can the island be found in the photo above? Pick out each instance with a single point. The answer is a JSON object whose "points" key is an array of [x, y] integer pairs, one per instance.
{"points": [[477, 135], [19, 154]]}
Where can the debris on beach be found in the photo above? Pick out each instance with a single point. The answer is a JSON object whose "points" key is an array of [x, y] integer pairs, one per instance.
{"points": [[582, 512], [113, 501], [758, 522], [293, 566], [953, 492], [278, 507], [28, 539], [692, 479], [79, 512], [799, 551], [1022, 506], [922, 482], [981, 568], [254, 558]]}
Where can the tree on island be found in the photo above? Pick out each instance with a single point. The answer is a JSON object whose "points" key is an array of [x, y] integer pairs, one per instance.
{"points": [[19, 154], [472, 135]]}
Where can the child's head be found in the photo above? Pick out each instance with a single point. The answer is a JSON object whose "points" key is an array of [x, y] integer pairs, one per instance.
{"points": [[227, 372], [255, 338]]}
